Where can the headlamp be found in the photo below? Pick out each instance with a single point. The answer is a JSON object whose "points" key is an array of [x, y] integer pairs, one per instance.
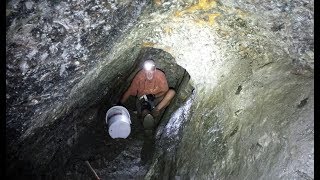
{"points": [[148, 66]]}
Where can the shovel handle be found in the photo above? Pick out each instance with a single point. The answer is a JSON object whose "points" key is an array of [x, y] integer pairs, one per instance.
{"points": [[92, 170]]}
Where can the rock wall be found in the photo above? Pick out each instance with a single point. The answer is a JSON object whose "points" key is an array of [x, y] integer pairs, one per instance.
{"points": [[57, 57], [252, 67], [52, 46]]}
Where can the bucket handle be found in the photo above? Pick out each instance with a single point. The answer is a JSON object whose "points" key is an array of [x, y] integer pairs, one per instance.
{"points": [[115, 114]]}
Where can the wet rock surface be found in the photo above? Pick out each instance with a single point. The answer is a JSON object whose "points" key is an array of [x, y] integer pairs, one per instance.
{"points": [[250, 62], [51, 45]]}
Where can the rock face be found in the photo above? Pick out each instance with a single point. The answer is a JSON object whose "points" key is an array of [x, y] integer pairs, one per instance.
{"points": [[52, 45], [250, 63], [253, 109]]}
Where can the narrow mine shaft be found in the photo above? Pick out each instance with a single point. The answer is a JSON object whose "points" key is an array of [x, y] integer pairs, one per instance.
{"points": [[243, 73], [111, 158], [128, 158]]}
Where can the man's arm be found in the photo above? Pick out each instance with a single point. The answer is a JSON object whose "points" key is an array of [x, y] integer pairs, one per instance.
{"points": [[125, 96], [131, 91]]}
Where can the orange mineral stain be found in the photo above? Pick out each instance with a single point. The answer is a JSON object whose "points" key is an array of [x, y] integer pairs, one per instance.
{"points": [[212, 17], [203, 5], [168, 30], [148, 44], [178, 13], [157, 2]]}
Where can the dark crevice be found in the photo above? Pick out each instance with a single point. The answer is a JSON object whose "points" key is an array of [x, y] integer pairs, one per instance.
{"points": [[239, 90], [303, 103], [266, 64]]}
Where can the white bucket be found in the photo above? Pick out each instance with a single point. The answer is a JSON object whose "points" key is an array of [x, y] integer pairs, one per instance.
{"points": [[118, 121]]}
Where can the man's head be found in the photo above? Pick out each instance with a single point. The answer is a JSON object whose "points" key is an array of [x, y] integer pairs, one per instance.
{"points": [[149, 68]]}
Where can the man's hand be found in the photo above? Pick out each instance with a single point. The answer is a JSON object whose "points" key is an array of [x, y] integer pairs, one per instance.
{"points": [[155, 112]]}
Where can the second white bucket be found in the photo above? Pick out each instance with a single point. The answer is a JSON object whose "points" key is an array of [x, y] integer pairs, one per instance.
{"points": [[118, 121]]}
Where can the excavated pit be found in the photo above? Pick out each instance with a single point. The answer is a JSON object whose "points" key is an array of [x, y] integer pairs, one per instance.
{"points": [[128, 158]]}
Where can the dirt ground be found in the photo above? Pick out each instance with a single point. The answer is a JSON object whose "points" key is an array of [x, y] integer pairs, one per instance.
{"points": [[127, 158]]}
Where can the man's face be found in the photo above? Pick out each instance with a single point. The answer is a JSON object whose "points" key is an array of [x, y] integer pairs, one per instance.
{"points": [[149, 69], [149, 73]]}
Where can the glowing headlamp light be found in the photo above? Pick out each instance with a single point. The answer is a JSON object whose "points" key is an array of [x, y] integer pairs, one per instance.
{"points": [[148, 66]]}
